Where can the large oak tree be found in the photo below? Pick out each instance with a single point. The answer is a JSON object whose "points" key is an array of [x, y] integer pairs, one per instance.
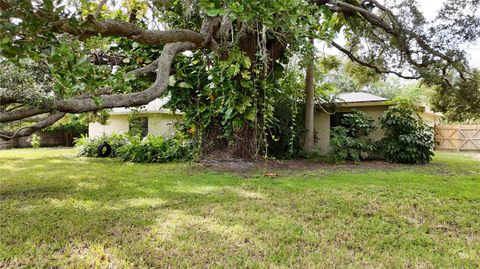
{"points": [[102, 55]]}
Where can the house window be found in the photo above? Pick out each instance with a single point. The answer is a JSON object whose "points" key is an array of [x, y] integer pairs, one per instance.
{"points": [[139, 125], [336, 119], [144, 126]]}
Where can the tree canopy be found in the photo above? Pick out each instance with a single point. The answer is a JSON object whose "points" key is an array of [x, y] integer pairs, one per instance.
{"points": [[102, 54]]}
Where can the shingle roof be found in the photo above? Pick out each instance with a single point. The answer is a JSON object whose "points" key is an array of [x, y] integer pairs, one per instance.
{"points": [[357, 97]]}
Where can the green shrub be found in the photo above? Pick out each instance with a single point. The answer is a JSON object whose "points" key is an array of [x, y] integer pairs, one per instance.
{"points": [[135, 149], [348, 141], [358, 124], [408, 139], [344, 147], [35, 141], [156, 149], [88, 147]]}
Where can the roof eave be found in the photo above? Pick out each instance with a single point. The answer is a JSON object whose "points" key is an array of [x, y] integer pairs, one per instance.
{"points": [[361, 103], [162, 111]]}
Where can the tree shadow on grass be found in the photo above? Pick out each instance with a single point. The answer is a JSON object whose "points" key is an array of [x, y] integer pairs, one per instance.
{"points": [[76, 216], [166, 223]]}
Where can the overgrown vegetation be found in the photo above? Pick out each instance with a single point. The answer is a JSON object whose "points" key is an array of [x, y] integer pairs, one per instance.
{"points": [[98, 57], [287, 126], [349, 140], [72, 124], [135, 123], [88, 147], [408, 139], [156, 149], [35, 141], [134, 148]]}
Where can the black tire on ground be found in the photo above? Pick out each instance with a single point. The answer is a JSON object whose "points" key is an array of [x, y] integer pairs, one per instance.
{"points": [[104, 150]]}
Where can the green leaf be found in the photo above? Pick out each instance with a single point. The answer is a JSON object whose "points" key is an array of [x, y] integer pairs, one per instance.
{"points": [[202, 109], [237, 122], [82, 60], [233, 70], [247, 63], [5, 40], [228, 113], [222, 12], [246, 75], [213, 12], [184, 85], [250, 114], [48, 4]]}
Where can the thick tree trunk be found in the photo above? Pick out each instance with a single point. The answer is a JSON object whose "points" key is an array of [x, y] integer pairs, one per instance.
{"points": [[309, 103]]}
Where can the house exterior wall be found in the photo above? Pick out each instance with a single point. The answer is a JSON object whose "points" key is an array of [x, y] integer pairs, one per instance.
{"points": [[158, 124], [430, 118], [162, 124], [322, 131], [116, 124], [322, 123]]}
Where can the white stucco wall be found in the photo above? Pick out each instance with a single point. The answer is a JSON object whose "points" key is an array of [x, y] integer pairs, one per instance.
{"points": [[158, 124], [322, 125], [116, 124], [322, 131], [162, 124]]}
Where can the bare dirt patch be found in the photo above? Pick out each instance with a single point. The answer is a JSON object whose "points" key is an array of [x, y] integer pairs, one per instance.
{"points": [[247, 166], [230, 165]]}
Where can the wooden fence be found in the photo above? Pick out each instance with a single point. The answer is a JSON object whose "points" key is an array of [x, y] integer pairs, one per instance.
{"points": [[46, 140], [458, 137], [8, 144]]}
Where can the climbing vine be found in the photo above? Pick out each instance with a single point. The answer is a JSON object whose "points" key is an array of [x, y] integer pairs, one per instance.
{"points": [[229, 102]]}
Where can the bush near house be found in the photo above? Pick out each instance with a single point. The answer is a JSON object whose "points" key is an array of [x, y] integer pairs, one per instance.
{"points": [[408, 139], [349, 141], [136, 149], [153, 149], [88, 147]]}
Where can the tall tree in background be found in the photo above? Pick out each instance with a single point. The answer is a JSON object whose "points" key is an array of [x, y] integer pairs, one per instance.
{"points": [[310, 99]]}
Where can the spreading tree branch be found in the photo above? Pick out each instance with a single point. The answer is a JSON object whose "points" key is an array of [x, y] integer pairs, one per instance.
{"points": [[26, 131], [369, 65], [396, 31], [86, 103]]}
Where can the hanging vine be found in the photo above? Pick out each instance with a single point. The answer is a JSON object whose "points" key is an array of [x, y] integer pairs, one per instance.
{"points": [[234, 94]]}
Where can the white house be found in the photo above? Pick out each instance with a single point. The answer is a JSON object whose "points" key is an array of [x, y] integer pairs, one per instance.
{"points": [[372, 105], [159, 121], [155, 120]]}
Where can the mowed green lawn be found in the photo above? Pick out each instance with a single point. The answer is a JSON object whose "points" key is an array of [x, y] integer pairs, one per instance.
{"points": [[64, 211]]}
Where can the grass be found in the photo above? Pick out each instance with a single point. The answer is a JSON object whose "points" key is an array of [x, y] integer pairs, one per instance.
{"points": [[57, 210]]}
